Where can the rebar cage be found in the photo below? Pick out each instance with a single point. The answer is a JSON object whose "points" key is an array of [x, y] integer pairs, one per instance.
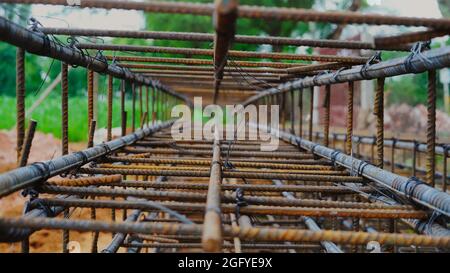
{"points": [[320, 191]]}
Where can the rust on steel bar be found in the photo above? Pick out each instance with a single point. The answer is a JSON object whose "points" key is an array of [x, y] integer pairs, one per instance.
{"points": [[431, 128], [31, 175], [410, 37], [212, 230], [231, 53], [64, 109], [187, 72], [244, 39], [26, 147], [326, 116], [349, 125], [417, 191], [187, 61], [204, 69], [110, 109], [313, 67], [379, 113], [255, 12], [250, 209], [39, 44], [225, 16], [90, 91], [256, 234], [431, 59], [20, 100]]}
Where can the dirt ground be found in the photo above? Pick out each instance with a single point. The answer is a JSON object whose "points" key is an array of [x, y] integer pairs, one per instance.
{"points": [[44, 147]]}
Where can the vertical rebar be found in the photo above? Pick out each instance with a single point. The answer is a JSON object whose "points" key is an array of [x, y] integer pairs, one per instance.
{"points": [[431, 128], [122, 109], [20, 99], [283, 98], [24, 154], [66, 235], [212, 228], [300, 118], [91, 133], [65, 138], [90, 96], [147, 102], [350, 95], [444, 172], [109, 128], [64, 109], [394, 142], [379, 113], [153, 105], [133, 108], [414, 155], [26, 147], [141, 103], [311, 114], [292, 111], [110, 109], [326, 116]]}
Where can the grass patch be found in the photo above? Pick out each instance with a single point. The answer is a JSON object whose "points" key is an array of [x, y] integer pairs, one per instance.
{"points": [[48, 114]]}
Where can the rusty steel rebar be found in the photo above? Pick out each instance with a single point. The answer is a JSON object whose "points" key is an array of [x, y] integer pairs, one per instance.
{"points": [[257, 234], [196, 64], [225, 16], [381, 43], [90, 93], [431, 128], [326, 115], [64, 109], [20, 100], [231, 53], [311, 114], [250, 188], [26, 147], [379, 114], [349, 124], [78, 187], [212, 230], [110, 109], [86, 181]]}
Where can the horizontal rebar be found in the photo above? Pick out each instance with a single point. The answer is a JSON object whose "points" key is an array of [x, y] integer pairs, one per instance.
{"points": [[177, 195], [257, 234], [226, 174], [247, 210], [245, 187], [207, 37], [206, 162], [231, 53]]}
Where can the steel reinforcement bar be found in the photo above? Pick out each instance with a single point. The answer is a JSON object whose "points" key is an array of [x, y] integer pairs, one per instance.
{"points": [[245, 39], [256, 234]]}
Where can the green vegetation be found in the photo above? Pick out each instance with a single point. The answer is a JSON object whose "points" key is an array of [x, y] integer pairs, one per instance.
{"points": [[48, 115]]}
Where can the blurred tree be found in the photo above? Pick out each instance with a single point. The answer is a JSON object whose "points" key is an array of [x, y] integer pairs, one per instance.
{"points": [[444, 6]]}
